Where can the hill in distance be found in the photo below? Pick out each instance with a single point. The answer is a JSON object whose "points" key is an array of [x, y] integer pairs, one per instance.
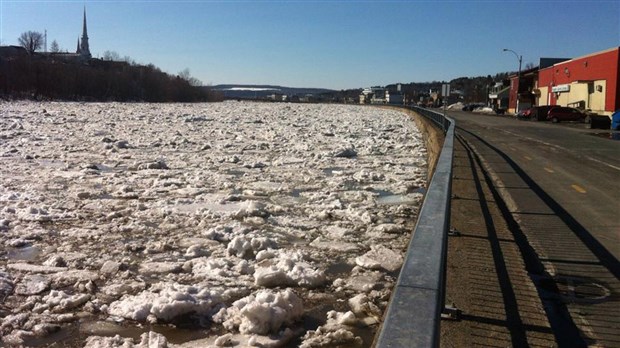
{"points": [[262, 91]]}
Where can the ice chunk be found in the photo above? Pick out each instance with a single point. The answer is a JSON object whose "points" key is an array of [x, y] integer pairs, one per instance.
{"points": [[224, 269], [149, 339], [61, 301], [289, 269], [6, 284], [340, 337], [346, 152], [165, 301], [252, 208], [265, 311], [335, 332], [32, 284], [364, 282], [380, 257], [26, 267], [196, 250], [160, 267], [248, 245], [364, 307]]}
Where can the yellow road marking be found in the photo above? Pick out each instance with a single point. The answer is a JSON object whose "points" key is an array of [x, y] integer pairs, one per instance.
{"points": [[528, 158], [549, 170], [578, 188]]}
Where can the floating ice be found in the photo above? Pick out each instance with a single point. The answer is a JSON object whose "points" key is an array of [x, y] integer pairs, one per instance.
{"points": [[265, 311], [165, 301], [120, 204], [149, 339], [289, 268], [32, 284], [335, 332], [60, 301], [380, 257]]}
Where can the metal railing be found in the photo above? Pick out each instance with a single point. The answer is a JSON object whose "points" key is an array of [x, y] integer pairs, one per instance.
{"points": [[413, 316]]}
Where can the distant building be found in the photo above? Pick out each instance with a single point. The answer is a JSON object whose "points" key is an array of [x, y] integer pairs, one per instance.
{"points": [[7, 52], [499, 96], [394, 97], [83, 48], [82, 52], [590, 82]]}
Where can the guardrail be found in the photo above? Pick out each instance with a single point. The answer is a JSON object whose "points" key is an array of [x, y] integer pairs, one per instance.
{"points": [[413, 316]]}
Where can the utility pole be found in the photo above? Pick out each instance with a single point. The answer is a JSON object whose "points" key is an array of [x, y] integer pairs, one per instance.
{"points": [[518, 75]]}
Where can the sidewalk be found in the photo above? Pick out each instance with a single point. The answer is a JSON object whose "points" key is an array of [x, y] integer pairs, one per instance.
{"points": [[487, 278]]}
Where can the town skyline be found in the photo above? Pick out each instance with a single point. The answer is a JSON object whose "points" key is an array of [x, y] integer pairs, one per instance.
{"points": [[323, 44]]}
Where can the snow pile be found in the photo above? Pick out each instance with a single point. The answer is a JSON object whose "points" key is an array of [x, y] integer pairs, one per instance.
{"points": [[485, 110], [165, 302], [456, 106], [263, 312]]}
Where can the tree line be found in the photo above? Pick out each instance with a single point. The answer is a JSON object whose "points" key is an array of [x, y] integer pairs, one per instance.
{"points": [[63, 76], [41, 76]]}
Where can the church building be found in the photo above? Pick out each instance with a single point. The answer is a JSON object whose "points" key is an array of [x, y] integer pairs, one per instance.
{"points": [[82, 46]]}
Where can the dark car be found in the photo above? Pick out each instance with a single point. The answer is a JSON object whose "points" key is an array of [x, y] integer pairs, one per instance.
{"points": [[539, 113], [472, 107], [563, 113]]}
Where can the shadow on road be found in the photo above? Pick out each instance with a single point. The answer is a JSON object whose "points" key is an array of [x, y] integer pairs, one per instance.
{"points": [[575, 275]]}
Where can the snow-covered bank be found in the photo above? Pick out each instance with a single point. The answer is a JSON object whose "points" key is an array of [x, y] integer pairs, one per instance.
{"points": [[243, 223]]}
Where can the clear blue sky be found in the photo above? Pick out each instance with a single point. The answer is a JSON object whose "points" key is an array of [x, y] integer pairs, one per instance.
{"points": [[331, 44]]}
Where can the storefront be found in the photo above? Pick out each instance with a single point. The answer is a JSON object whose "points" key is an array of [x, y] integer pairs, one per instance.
{"points": [[588, 83]]}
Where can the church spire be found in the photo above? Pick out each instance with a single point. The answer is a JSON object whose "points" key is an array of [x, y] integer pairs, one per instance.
{"points": [[84, 50]]}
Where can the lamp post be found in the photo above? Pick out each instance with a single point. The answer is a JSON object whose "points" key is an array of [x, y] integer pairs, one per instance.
{"points": [[518, 75]]}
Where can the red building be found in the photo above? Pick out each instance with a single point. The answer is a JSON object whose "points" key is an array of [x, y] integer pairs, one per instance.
{"points": [[589, 82]]}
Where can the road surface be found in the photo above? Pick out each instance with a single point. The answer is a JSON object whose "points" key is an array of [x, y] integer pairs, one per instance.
{"points": [[560, 189]]}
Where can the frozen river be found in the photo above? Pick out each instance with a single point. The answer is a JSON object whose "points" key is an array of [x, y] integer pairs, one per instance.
{"points": [[194, 225]]}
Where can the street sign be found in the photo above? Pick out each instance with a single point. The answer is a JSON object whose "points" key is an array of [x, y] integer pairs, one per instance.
{"points": [[445, 90]]}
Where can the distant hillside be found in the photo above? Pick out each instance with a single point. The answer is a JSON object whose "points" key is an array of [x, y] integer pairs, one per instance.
{"points": [[262, 91], [64, 77]]}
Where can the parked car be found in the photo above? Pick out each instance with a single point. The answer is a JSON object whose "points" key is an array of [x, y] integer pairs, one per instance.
{"points": [[472, 107], [615, 120], [526, 114], [563, 113], [539, 113]]}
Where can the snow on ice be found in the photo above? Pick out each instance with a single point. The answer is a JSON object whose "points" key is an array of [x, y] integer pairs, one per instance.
{"points": [[248, 224]]}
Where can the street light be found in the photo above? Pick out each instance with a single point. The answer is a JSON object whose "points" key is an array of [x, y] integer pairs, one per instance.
{"points": [[518, 75]]}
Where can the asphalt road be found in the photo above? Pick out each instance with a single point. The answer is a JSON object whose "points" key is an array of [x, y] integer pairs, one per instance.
{"points": [[561, 184]]}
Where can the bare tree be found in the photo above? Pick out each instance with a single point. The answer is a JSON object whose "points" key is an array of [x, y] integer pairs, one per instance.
{"points": [[185, 75], [31, 41], [55, 48], [111, 55]]}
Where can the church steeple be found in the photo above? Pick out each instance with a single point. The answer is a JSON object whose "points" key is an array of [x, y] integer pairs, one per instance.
{"points": [[83, 48]]}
